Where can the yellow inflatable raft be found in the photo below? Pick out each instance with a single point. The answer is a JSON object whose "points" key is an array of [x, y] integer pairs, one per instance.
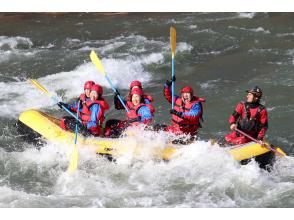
{"points": [[48, 127]]}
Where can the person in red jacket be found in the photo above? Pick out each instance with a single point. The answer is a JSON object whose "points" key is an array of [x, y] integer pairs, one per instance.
{"points": [[82, 98], [249, 117], [187, 112], [96, 106], [91, 114], [133, 85], [138, 113], [67, 122]]}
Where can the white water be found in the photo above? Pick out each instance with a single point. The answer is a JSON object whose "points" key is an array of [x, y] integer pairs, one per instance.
{"points": [[15, 47], [21, 96], [204, 175]]}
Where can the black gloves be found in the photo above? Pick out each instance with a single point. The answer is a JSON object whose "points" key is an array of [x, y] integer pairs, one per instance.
{"points": [[60, 104], [134, 119], [115, 98], [173, 79], [169, 83], [174, 112], [80, 102], [117, 93]]}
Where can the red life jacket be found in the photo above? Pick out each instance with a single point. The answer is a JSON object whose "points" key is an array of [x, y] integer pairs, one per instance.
{"points": [[85, 113], [249, 120], [133, 111], [83, 109], [83, 97], [100, 117], [180, 106], [130, 105]]}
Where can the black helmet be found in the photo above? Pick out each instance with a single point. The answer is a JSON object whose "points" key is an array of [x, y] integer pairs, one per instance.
{"points": [[256, 91]]}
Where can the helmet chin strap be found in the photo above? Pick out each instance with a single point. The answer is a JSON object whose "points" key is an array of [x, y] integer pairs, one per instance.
{"points": [[255, 99]]}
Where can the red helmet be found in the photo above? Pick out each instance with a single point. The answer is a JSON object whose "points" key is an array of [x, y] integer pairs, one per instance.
{"points": [[88, 84], [97, 88], [137, 91], [135, 83], [187, 89]]}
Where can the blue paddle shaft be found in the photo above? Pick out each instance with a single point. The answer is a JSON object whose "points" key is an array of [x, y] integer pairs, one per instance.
{"points": [[69, 112], [76, 131]]}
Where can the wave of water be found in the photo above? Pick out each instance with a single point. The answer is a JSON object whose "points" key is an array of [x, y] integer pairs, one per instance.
{"points": [[203, 176], [21, 95], [15, 47]]}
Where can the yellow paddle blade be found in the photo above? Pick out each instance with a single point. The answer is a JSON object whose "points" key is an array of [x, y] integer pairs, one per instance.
{"points": [[281, 152], [97, 62], [39, 86], [173, 36], [73, 163]]}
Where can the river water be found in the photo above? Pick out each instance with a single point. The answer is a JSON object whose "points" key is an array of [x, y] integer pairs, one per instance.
{"points": [[219, 54]]}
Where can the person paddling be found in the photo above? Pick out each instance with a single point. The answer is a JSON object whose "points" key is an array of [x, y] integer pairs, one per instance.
{"points": [[82, 98], [138, 113], [250, 117], [96, 106], [67, 122], [92, 113]]}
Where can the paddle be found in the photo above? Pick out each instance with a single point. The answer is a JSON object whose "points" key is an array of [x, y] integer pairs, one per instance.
{"points": [[55, 99], [260, 142], [98, 64], [73, 162], [173, 49]]}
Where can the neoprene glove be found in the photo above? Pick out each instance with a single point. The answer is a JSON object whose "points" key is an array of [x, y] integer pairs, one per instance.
{"points": [[117, 93], [80, 102], [169, 82], [134, 119], [60, 104], [174, 112]]}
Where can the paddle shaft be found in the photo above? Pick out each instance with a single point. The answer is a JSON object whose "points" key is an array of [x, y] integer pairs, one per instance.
{"points": [[259, 142], [96, 61], [68, 111], [76, 131], [173, 50], [54, 98], [173, 83]]}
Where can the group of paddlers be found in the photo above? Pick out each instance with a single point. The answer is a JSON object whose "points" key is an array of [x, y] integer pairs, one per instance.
{"points": [[249, 117]]}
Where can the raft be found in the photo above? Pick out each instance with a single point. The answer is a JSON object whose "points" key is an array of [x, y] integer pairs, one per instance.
{"points": [[34, 124]]}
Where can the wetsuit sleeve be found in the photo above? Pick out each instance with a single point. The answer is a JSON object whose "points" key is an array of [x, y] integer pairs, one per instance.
{"points": [[236, 114], [263, 124], [95, 109], [194, 112], [145, 113], [168, 95]]}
